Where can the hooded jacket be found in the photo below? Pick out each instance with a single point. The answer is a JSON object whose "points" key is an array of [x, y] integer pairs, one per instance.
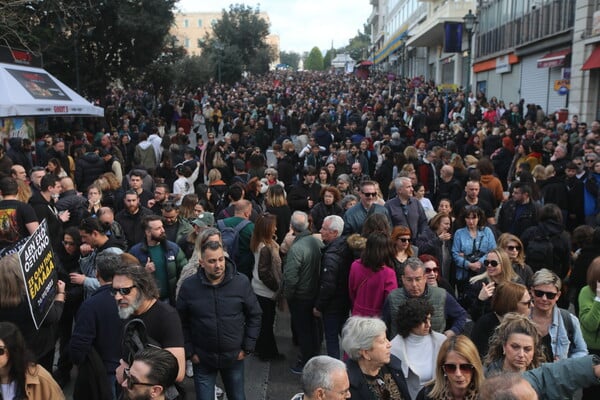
{"points": [[145, 155]]}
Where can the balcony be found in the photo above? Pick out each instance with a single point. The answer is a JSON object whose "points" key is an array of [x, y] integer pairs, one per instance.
{"points": [[429, 32]]}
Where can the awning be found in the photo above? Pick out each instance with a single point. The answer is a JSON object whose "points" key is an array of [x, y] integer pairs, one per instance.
{"points": [[593, 61], [28, 91], [554, 59], [392, 45]]}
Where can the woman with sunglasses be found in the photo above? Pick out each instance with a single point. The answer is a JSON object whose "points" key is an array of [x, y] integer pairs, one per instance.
{"points": [[513, 246], [516, 346], [458, 372], [401, 238], [432, 273], [508, 297], [20, 375], [560, 330], [498, 269], [374, 373], [416, 344]]}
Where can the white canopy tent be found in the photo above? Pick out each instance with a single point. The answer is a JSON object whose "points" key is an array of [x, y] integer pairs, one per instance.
{"points": [[28, 91]]}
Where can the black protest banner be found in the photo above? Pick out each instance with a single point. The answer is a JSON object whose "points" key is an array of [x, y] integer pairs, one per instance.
{"points": [[39, 272]]}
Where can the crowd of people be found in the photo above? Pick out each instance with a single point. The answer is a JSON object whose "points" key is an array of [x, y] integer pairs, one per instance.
{"points": [[436, 239]]}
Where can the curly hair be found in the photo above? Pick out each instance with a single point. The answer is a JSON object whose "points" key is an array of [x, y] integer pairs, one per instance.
{"points": [[413, 313], [514, 323]]}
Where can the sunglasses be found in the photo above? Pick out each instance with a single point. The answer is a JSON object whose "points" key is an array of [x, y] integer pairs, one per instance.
{"points": [[124, 291], [464, 368], [511, 248], [368, 194], [527, 303], [493, 263], [430, 270], [541, 293], [131, 383], [404, 240], [3, 351]]}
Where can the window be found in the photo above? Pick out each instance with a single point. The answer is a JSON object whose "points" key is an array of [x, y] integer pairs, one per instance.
{"points": [[187, 43], [199, 23], [186, 23]]}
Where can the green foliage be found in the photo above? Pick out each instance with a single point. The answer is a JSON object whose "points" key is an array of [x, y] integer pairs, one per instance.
{"points": [[314, 61], [358, 45], [239, 42], [292, 59]]}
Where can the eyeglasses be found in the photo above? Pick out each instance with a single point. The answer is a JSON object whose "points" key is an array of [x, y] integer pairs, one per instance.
{"points": [[511, 248], [124, 291], [430, 270], [493, 263], [541, 293], [3, 351], [65, 243], [404, 240], [370, 194], [464, 368], [131, 383]]}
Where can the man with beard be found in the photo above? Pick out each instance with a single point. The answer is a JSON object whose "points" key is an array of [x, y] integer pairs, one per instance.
{"points": [[160, 257], [161, 196], [152, 373], [130, 218], [136, 294], [221, 317]]}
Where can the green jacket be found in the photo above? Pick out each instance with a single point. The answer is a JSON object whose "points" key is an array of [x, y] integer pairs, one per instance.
{"points": [[589, 317], [302, 266]]}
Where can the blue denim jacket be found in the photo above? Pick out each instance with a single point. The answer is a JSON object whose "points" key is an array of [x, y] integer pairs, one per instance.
{"points": [[560, 341], [463, 243]]}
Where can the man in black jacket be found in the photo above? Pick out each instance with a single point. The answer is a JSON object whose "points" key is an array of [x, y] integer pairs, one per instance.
{"points": [[333, 303], [130, 218], [221, 318], [307, 193]]}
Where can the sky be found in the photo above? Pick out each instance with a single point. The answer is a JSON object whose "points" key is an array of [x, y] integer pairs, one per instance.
{"points": [[301, 24]]}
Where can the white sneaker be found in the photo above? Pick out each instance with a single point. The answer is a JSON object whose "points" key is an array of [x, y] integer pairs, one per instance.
{"points": [[189, 369], [218, 392]]}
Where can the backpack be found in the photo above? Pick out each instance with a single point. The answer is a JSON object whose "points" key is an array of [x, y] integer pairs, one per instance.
{"points": [[539, 252], [566, 317], [231, 237]]}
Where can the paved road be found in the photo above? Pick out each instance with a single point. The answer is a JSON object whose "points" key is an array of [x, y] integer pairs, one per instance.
{"points": [[264, 380]]}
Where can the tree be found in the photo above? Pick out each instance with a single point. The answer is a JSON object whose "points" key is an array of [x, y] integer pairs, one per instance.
{"points": [[314, 61], [292, 58], [359, 44], [239, 43], [99, 41]]}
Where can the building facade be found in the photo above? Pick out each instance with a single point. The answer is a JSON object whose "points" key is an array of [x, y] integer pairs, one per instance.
{"points": [[546, 52], [191, 28]]}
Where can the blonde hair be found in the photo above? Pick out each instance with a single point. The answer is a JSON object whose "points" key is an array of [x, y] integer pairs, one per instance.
{"points": [[11, 281], [464, 347], [505, 239], [508, 273], [514, 323]]}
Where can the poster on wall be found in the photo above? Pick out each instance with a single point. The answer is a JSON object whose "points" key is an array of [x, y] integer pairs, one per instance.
{"points": [[38, 84], [17, 127]]}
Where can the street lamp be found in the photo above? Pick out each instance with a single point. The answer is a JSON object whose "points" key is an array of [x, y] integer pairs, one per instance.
{"points": [[469, 22], [219, 46]]}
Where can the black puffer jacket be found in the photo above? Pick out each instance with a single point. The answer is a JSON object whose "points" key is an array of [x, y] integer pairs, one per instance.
{"points": [[87, 169], [335, 268], [219, 320], [559, 260]]}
